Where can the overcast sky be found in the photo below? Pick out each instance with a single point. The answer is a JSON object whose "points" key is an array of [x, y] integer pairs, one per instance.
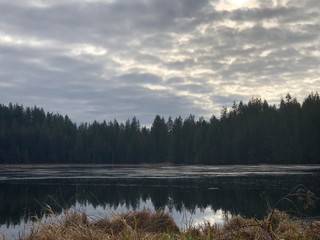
{"points": [[106, 59]]}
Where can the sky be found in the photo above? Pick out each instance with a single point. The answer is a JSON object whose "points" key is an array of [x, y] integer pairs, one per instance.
{"points": [[115, 59]]}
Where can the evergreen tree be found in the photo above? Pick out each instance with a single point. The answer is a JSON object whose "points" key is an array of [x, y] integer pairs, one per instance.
{"points": [[250, 133]]}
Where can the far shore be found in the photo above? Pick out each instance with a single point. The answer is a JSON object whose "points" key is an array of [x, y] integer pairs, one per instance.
{"points": [[83, 165], [146, 165]]}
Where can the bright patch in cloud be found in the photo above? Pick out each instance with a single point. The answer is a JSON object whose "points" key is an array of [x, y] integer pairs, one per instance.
{"points": [[21, 40], [87, 49], [230, 5], [155, 87]]}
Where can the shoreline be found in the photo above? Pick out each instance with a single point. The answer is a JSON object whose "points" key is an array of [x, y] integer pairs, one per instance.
{"points": [[146, 165]]}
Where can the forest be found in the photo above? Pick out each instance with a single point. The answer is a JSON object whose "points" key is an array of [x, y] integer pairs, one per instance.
{"points": [[246, 133]]}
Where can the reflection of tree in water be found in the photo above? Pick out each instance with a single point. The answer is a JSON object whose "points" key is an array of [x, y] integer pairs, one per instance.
{"points": [[21, 201]]}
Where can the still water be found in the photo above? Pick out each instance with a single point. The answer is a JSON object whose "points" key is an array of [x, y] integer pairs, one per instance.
{"points": [[192, 194]]}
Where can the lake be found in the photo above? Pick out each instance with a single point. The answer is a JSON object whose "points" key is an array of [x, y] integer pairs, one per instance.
{"points": [[191, 194]]}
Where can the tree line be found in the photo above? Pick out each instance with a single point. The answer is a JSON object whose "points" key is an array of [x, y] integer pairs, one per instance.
{"points": [[247, 133]]}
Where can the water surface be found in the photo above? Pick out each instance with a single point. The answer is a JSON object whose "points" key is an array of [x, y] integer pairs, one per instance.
{"points": [[191, 194]]}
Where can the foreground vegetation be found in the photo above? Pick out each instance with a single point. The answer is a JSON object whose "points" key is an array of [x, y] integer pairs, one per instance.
{"points": [[250, 133], [149, 225]]}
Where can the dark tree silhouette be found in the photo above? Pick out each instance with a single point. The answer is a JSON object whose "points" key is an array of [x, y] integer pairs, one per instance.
{"points": [[250, 133]]}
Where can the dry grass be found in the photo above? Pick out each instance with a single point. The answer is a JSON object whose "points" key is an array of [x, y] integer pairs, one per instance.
{"points": [[147, 225], [75, 225]]}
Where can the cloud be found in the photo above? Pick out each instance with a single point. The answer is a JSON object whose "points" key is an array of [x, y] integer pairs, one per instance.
{"points": [[95, 59]]}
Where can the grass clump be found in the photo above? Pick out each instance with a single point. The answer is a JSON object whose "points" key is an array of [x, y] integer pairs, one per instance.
{"points": [[147, 225], [75, 225], [154, 222]]}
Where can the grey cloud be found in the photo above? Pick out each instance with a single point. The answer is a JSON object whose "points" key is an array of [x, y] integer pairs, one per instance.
{"points": [[138, 78], [123, 103], [69, 21], [261, 35], [273, 66], [176, 80], [43, 64], [181, 65], [194, 88], [156, 41], [310, 4], [199, 51], [146, 58], [262, 13], [282, 14], [228, 100]]}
